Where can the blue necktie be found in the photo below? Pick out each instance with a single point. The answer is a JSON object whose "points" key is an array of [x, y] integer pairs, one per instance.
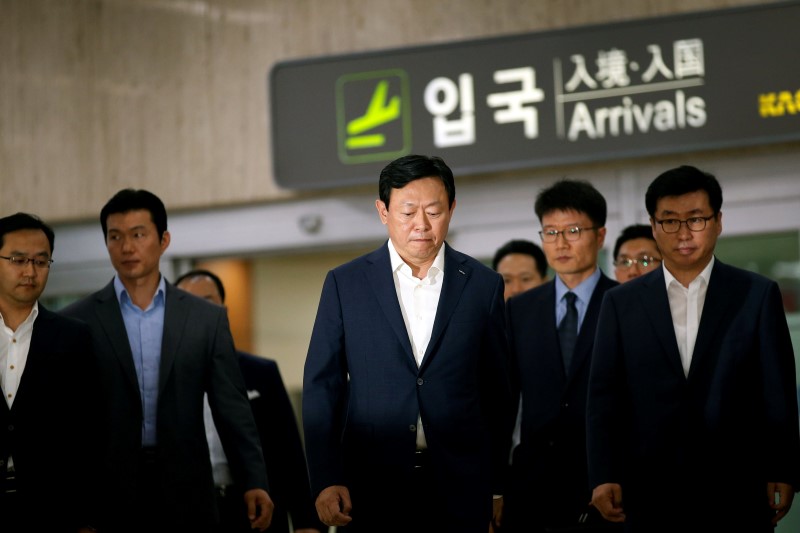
{"points": [[568, 330]]}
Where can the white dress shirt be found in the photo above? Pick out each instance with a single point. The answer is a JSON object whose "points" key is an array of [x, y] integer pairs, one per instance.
{"points": [[14, 348], [686, 306], [419, 299]]}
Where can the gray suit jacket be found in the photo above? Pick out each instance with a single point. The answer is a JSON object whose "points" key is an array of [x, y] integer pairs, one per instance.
{"points": [[197, 357]]}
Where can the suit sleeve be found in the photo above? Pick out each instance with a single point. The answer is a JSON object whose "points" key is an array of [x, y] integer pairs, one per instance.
{"points": [[325, 391], [233, 417], [605, 408], [497, 390], [286, 461], [778, 372]]}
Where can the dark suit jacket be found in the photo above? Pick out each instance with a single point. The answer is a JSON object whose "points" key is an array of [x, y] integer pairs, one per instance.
{"points": [[708, 444], [549, 465], [280, 441], [361, 432], [197, 356], [50, 427]]}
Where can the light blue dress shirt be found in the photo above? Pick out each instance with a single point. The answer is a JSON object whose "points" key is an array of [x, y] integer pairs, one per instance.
{"points": [[145, 329], [583, 292]]}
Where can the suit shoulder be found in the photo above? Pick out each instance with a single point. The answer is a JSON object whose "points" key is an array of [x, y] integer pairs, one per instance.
{"points": [[358, 263], [250, 360], [81, 308], [477, 267]]}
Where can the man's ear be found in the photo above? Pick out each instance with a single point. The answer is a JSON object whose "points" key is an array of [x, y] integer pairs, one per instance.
{"points": [[383, 211]]}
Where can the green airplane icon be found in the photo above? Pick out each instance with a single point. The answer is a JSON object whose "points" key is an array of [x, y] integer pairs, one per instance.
{"points": [[379, 112]]}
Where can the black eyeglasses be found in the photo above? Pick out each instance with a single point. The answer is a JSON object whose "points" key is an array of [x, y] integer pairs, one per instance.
{"points": [[673, 225], [21, 261], [570, 234], [644, 261]]}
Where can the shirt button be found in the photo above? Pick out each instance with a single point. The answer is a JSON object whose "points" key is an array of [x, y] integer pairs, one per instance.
{"points": [[11, 367], [11, 427], [420, 381], [412, 427]]}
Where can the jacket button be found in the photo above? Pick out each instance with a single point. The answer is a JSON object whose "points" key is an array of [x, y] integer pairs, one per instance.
{"points": [[412, 427], [420, 381], [11, 427]]}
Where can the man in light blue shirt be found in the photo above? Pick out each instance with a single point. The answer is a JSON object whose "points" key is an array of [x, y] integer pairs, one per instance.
{"points": [[160, 351]]}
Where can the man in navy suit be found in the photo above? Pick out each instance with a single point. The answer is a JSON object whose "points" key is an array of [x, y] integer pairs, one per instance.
{"points": [[692, 418], [405, 394], [160, 351], [549, 487], [48, 378], [280, 439]]}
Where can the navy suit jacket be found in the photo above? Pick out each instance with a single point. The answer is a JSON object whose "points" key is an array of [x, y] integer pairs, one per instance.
{"points": [[197, 356], [280, 441], [550, 461], [362, 389], [50, 429], [707, 443]]}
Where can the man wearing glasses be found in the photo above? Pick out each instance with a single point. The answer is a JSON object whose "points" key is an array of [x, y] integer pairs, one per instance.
{"points": [[551, 330], [692, 416], [47, 376], [635, 253]]}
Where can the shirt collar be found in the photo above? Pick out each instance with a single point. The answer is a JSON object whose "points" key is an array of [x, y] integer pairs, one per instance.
{"points": [[29, 320], [583, 291], [122, 292], [398, 263], [705, 274]]}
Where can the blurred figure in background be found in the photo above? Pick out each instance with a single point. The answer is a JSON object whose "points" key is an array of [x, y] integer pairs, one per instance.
{"points": [[522, 265], [280, 439], [635, 252]]}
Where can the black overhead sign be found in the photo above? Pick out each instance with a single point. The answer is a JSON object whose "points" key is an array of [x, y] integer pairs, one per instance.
{"points": [[684, 83]]}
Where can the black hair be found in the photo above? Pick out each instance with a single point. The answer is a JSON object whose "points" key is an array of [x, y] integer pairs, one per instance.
{"points": [[575, 195], [636, 231], [203, 273], [518, 246], [130, 200], [406, 169], [683, 180], [22, 221]]}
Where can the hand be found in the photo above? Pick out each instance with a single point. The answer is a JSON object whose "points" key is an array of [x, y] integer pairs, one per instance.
{"points": [[497, 515], [780, 499], [334, 506], [259, 500], [607, 498]]}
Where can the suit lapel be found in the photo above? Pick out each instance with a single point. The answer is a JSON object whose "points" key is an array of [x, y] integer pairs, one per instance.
{"points": [[456, 274], [110, 319], [585, 341], [37, 356], [381, 280], [656, 305], [721, 290], [176, 312]]}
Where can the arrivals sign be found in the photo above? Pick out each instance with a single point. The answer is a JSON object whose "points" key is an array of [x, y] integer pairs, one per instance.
{"points": [[684, 83]]}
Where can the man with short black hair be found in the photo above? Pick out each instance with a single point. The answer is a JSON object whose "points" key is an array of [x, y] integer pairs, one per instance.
{"points": [[48, 419], [160, 350], [405, 393], [277, 427], [551, 330], [635, 252], [692, 414], [522, 265]]}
